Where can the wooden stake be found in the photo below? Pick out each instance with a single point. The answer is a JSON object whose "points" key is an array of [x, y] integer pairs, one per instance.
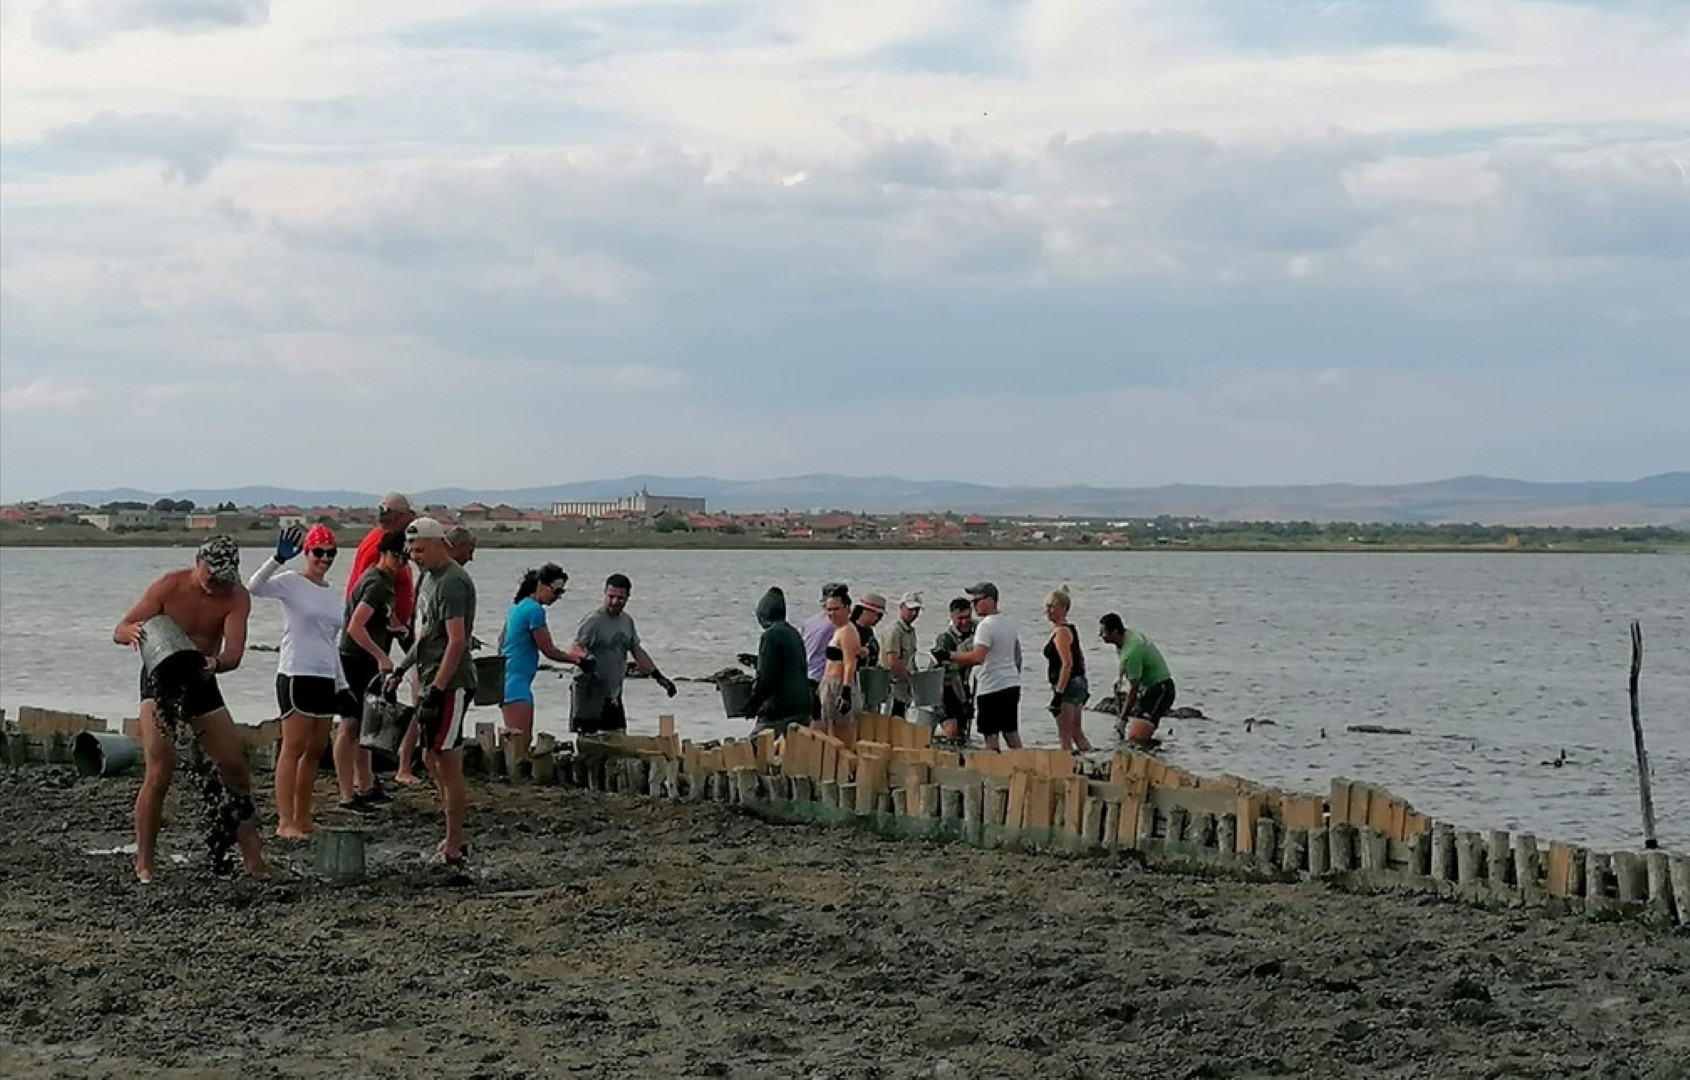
{"points": [[1644, 795]]}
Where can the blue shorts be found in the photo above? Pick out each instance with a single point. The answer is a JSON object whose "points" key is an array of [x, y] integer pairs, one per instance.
{"points": [[518, 688]]}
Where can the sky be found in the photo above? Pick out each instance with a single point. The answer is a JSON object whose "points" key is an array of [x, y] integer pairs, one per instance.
{"points": [[1121, 242]]}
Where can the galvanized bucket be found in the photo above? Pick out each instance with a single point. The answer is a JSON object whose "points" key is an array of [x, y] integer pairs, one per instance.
{"points": [[928, 687], [167, 653], [876, 686], [384, 720]]}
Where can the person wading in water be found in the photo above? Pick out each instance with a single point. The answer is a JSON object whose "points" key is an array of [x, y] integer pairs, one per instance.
{"points": [[209, 604]]}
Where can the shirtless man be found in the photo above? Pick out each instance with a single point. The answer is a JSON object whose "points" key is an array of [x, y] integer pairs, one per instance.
{"points": [[211, 606]]}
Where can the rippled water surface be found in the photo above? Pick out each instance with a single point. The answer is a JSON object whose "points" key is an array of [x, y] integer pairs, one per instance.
{"points": [[1495, 662]]}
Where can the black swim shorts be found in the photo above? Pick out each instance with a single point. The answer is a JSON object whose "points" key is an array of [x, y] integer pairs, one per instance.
{"points": [[203, 697], [1154, 701], [308, 695]]}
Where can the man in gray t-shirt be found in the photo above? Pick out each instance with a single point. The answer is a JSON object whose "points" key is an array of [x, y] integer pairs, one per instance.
{"points": [[610, 637]]}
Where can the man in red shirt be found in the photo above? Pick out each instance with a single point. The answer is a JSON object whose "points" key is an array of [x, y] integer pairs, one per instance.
{"points": [[393, 514]]}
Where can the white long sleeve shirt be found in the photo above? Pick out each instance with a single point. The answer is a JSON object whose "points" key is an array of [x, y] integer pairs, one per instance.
{"points": [[312, 618]]}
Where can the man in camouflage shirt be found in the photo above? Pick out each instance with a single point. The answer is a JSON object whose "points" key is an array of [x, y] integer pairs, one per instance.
{"points": [[957, 637]]}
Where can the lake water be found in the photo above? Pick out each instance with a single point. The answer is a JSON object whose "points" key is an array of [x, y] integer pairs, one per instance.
{"points": [[1496, 662]]}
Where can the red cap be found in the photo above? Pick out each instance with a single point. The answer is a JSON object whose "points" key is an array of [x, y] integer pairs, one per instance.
{"points": [[320, 536]]}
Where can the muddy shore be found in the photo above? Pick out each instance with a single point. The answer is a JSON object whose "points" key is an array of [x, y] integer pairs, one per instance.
{"points": [[604, 936]]}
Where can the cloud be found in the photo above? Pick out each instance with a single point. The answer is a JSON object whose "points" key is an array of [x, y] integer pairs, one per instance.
{"points": [[1277, 237], [40, 396], [77, 24], [189, 147]]}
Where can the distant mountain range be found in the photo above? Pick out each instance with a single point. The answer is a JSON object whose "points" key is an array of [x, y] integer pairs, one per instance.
{"points": [[1654, 500]]}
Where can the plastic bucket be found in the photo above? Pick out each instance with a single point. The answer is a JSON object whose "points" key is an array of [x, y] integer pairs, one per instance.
{"points": [[167, 653], [928, 687], [104, 753], [736, 695], [876, 686], [587, 699], [490, 680]]}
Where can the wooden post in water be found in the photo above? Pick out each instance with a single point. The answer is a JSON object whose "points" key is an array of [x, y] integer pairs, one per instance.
{"points": [[1649, 841]]}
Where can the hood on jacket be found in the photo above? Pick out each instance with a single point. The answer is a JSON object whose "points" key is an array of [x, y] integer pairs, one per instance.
{"points": [[772, 608]]}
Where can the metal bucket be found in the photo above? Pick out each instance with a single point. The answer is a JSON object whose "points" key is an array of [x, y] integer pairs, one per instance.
{"points": [[339, 853], [104, 753], [876, 686], [490, 680], [736, 695], [928, 687], [168, 654], [384, 721]]}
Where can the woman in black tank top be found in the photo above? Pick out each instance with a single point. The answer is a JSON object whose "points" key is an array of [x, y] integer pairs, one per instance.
{"points": [[1066, 662]]}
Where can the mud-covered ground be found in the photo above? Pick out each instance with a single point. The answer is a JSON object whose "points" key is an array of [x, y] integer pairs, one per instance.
{"points": [[603, 936]]}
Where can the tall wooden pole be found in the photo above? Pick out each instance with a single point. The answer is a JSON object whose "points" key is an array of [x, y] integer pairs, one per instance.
{"points": [[1648, 801]]}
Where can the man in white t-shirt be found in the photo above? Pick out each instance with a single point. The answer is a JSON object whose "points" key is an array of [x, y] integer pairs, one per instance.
{"points": [[996, 656]]}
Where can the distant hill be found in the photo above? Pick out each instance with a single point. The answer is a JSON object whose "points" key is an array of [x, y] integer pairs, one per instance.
{"points": [[1653, 500]]}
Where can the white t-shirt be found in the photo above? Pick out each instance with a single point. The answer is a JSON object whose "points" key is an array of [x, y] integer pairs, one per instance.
{"points": [[1002, 667], [312, 618]]}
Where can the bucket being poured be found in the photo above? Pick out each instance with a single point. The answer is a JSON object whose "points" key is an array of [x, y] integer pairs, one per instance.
{"points": [[168, 654], [103, 753]]}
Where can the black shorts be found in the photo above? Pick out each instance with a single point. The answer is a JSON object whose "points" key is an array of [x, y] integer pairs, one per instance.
{"points": [[999, 712], [360, 671], [203, 698], [611, 719], [1154, 702], [308, 695]]}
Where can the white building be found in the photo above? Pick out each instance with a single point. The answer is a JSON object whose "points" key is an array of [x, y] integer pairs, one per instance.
{"points": [[640, 504]]}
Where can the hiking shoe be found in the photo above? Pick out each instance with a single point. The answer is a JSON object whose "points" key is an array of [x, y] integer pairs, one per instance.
{"points": [[356, 805]]}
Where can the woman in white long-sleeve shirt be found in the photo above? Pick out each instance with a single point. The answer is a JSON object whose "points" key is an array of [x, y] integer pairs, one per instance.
{"points": [[308, 677]]}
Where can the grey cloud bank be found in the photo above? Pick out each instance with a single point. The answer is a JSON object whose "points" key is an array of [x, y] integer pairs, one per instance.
{"points": [[728, 252]]}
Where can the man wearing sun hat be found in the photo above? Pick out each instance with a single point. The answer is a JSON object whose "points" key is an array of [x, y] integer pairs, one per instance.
{"points": [[899, 651]]}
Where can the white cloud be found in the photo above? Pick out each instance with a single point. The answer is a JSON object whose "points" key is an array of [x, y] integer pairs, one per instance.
{"points": [[727, 211], [42, 395]]}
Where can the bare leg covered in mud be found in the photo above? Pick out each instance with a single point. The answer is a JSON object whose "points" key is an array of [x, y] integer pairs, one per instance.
{"points": [[230, 787]]}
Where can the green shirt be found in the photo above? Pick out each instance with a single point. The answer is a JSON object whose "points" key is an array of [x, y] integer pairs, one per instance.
{"points": [[953, 640], [446, 593], [1141, 661]]}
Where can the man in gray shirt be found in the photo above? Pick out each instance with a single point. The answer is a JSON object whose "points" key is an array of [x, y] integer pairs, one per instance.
{"points": [[609, 636], [445, 623]]}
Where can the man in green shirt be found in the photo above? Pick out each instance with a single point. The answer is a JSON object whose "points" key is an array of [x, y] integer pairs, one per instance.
{"points": [[898, 652], [957, 636], [1147, 687], [445, 623]]}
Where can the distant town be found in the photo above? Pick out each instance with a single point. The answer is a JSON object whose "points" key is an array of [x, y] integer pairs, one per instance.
{"points": [[645, 519]]}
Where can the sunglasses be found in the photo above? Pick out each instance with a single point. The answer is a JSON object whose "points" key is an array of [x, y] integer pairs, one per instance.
{"points": [[324, 553]]}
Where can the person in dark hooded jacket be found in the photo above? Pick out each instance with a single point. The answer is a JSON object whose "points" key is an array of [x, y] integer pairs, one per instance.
{"points": [[780, 695]]}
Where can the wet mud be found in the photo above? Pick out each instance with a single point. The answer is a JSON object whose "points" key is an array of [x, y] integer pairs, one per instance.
{"points": [[620, 937]]}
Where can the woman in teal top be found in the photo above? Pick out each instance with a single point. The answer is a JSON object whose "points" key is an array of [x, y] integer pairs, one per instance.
{"points": [[523, 640]]}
